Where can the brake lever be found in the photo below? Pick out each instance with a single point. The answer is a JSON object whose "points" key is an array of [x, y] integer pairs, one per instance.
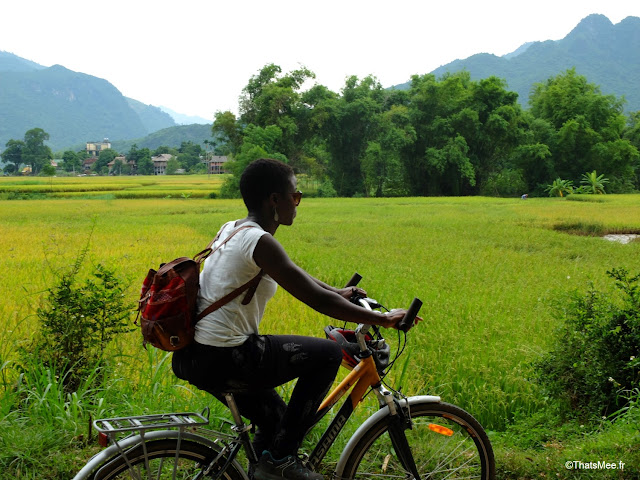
{"points": [[372, 303]]}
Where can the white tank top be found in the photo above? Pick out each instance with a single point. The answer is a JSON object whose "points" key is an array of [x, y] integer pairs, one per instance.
{"points": [[228, 268]]}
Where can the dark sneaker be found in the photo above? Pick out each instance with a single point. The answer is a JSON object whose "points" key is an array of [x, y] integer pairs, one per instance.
{"points": [[290, 468]]}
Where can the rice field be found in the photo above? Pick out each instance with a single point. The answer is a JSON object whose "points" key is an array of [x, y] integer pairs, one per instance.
{"points": [[488, 271], [196, 186]]}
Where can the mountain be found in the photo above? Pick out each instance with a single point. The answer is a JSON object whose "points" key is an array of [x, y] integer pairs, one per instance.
{"points": [[606, 54], [169, 137], [181, 119], [72, 107], [153, 118], [12, 63]]}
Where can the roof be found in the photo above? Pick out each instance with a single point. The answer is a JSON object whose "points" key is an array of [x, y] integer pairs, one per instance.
{"points": [[162, 158], [218, 159]]}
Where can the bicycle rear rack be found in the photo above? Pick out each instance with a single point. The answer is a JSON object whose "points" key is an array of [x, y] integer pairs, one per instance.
{"points": [[142, 423], [109, 428]]}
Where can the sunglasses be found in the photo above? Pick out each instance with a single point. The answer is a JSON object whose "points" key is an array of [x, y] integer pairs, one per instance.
{"points": [[297, 196]]}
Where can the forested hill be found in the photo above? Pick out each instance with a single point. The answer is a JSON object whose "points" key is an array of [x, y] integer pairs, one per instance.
{"points": [[607, 54], [71, 107], [169, 137]]}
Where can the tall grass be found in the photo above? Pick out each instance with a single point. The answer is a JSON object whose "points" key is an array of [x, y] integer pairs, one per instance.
{"points": [[487, 270]]}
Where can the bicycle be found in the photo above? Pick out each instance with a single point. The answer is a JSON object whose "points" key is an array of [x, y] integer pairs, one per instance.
{"points": [[417, 437]]}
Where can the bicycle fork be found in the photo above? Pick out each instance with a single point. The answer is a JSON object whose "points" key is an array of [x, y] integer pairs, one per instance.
{"points": [[399, 421]]}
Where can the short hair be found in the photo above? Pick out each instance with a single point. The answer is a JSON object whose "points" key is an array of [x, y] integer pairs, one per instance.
{"points": [[261, 178]]}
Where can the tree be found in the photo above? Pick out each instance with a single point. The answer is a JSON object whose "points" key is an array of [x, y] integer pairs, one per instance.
{"points": [[48, 170], [72, 161], [35, 152], [102, 165], [587, 125], [632, 133], [381, 166], [559, 188], [141, 157], [190, 155], [271, 98], [118, 167], [172, 166], [227, 128], [466, 132], [594, 183], [13, 153], [258, 143], [348, 124]]}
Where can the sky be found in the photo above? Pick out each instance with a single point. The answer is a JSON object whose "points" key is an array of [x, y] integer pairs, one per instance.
{"points": [[195, 56]]}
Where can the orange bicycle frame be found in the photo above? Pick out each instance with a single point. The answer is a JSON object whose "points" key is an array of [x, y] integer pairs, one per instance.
{"points": [[363, 376]]}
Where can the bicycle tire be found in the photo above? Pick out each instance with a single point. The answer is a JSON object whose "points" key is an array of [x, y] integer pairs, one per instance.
{"points": [[161, 455], [461, 449]]}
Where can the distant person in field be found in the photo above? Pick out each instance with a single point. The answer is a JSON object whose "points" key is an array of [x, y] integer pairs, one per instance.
{"points": [[230, 354]]}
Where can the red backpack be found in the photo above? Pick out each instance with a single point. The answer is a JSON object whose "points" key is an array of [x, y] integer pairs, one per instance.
{"points": [[167, 307]]}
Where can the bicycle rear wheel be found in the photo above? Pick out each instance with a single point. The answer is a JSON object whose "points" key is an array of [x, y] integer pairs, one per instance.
{"points": [[446, 443], [160, 462]]}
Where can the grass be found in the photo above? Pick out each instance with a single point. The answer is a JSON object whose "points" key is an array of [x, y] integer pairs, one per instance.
{"points": [[488, 271]]}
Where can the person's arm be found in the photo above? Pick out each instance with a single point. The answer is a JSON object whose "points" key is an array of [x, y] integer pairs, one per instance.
{"points": [[345, 292], [274, 261]]}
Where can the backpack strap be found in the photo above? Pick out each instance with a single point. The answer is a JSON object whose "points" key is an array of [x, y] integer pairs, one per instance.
{"points": [[251, 285], [202, 256]]}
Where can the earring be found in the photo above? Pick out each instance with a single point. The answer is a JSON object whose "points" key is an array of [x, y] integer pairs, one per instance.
{"points": [[275, 215]]}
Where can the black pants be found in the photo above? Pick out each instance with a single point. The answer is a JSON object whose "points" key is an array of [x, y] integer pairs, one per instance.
{"points": [[252, 370]]}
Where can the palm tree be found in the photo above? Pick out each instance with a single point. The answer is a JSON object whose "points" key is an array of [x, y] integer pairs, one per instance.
{"points": [[593, 182], [559, 187]]}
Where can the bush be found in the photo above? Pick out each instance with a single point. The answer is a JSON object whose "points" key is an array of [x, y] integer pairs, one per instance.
{"points": [[505, 183], [326, 189], [594, 360], [230, 188], [77, 322]]}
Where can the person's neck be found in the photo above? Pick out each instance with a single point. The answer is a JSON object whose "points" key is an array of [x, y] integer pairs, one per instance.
{"points": [[265, 220]]}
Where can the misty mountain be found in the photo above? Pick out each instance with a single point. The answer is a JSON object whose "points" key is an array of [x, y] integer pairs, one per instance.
{"points": [[72, 107], [181, 119], [606, 54], [153, 118], [12, 63]]}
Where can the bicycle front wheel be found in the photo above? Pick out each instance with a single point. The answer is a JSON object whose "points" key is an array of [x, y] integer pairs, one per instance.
{"points": [[446, 443], [160, 462]]}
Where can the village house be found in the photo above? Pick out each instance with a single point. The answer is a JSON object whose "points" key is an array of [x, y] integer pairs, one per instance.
{"points": [[94, 148], [216, 164], [160, 163], [122, 159], [88, 163]]}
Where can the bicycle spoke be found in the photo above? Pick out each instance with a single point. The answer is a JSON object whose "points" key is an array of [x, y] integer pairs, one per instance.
{"points": [[442, 445]]}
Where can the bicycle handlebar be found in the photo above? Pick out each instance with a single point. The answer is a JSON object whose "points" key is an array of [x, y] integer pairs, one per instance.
{"points": [[355, 279], [412, 311], [410, 316]]}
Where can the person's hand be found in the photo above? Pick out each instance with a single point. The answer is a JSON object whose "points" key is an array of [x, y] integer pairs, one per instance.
{"points": [[395, 316], [349, 292]]}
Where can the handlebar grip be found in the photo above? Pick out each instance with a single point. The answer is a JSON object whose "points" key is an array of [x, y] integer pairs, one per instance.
{"points": [[410, 316], [355, 279]]}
